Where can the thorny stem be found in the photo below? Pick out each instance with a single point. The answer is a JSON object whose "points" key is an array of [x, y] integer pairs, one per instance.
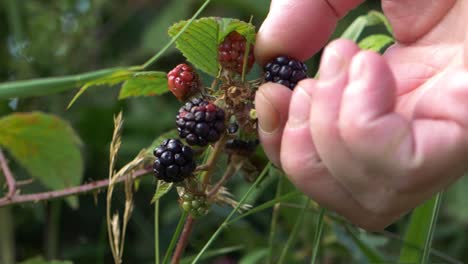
{"points": [[44, 196], [210, 164], [183, 240], [8, 176], [230, 171]]}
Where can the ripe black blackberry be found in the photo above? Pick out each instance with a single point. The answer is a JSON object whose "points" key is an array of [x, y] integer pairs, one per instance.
{"points": [[174, 161], [200, 122], [286, 71]]}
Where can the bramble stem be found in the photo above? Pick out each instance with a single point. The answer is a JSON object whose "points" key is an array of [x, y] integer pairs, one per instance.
{"points": [[8, 176], [230, 171], [210, 164], [44, 196], [183, 240]]}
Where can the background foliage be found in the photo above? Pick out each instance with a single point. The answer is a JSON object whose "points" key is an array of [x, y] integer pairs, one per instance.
{"points": [[54, 38]]}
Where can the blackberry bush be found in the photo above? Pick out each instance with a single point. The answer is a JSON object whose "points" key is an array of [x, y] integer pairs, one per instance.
{"points": [[286, 71], [200, 122], [174, 161], [231, 53]]}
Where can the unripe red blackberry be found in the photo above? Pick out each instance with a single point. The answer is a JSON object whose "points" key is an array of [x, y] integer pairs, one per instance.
{"points": [[174, 161], [231, 53], [200, 122], [183, 81], [196, 205], [286, 71]]}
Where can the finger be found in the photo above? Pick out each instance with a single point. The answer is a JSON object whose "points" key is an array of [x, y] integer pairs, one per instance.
{"points": [[422, 15], [376, 136], [299, 28], [272, 103], [325, 106]]}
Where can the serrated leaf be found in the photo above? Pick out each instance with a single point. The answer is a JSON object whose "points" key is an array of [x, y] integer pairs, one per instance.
{"points": [[198, 43], [162, 189], [46, 146], [376, 43], [144, 84], [228, 25], [40, 260], [110, 79]]}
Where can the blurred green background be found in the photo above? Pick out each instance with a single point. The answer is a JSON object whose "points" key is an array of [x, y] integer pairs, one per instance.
{"points": [[61, 37]]}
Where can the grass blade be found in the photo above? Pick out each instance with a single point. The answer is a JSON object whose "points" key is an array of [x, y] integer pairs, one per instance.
{"points": [[225, 222], [293, 236], [318, 234], [274, 218], [418, 232], [431, 231], [156, 232], [214, 253], [175, 236]]}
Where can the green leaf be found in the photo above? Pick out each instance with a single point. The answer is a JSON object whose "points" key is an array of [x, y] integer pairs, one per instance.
{"points": [[109, 79], [40, 260], [228, 25], [256, 256], [162, 189], [417, 232], [376, 43], [51, 85], [372, 255], [198, 43], [144, 84], [46, 146], [355, 29], [375, 18]]}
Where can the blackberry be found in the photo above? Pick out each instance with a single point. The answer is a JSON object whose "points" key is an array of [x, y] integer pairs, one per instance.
{"points": [[195, 204], [183, 81], [286, 71], [231, 53], [200, 122], [174, 161], [241, 147]]}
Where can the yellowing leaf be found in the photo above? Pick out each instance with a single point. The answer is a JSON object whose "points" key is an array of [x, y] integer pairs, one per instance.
{"points": [[46, 146]]}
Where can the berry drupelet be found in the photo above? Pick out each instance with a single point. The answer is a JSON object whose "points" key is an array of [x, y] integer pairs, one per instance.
{"points": [[286, 71], [183, 81], [200, 122], [231, 53], [174, 161]]}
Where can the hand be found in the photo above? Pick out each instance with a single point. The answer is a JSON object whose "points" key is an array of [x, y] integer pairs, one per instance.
{"points": [[374, 136]]}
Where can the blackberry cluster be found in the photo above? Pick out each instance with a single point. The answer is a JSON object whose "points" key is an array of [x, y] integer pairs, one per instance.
{"points": [[231, 53], [241, 147], [200, 122], [286, 71], [174, 161], [183, 81], [195, 205]]}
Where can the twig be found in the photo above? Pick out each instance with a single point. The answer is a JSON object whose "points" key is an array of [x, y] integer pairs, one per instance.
{"points": [[8, 176], [230, 171], [183, 240], [44, 196], [212, 160]]}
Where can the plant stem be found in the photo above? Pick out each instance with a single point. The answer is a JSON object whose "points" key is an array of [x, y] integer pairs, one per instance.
{"points": [[176, 234], [231, 170], [8, 176], [183, 240], [431, 231], [53, 230], [156, 232], [7, 238], [294, 232], [225, 222], [318, 235], [44, 196], [210, 164], [274, 219], [168, 45]]}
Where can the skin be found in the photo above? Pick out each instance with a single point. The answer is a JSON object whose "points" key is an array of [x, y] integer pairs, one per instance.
{"points": [[374, 136]]}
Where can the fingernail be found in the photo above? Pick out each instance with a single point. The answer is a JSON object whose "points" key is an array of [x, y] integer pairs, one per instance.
{"points": [[332, 65], [268, 116], [299, 109]]}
